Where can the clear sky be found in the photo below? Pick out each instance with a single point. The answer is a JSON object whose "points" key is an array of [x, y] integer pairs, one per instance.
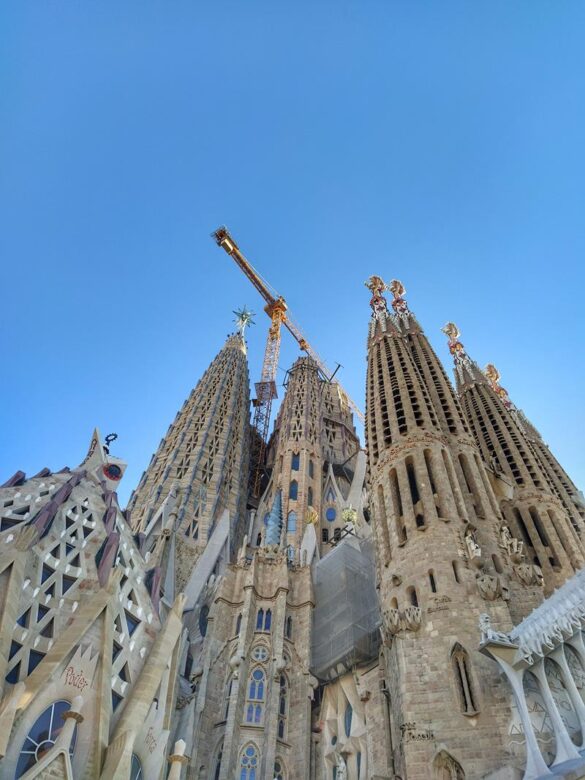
{"points": [[438, 142]]}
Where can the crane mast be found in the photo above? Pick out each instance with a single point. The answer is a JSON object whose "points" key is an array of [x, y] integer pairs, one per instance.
{"points": [[276, 309]]}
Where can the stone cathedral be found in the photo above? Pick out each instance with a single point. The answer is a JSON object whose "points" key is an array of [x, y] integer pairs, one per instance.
{"points": [[406, 610]]}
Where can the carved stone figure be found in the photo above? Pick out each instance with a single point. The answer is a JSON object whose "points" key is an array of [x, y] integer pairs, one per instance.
{"points": [[489, 634], [473, 548]]}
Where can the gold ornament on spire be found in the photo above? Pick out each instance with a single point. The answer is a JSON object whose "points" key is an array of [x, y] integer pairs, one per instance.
{"points": [[398, 291], [377, 286], [493, 377], [456, 348]]}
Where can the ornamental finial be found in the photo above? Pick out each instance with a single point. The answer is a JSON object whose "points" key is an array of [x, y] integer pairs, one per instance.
{"points": [[398, 291], [377, 286], [244, 317], [493, 377], [456, 348]]}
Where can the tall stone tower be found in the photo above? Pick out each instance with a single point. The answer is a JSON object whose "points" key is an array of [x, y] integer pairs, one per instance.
{"points": [[314, 458], [200, 469], [536, 497], [442, 557]]}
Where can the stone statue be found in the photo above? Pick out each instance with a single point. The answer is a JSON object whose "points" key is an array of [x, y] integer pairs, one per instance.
{"points": [[473, 548], [488, 634]]}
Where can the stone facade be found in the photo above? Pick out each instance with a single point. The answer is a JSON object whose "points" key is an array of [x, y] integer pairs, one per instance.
{"points": [[373, 615]]}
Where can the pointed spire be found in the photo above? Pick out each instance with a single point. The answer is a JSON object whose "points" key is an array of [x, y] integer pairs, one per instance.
{"points": [[274, 521]]}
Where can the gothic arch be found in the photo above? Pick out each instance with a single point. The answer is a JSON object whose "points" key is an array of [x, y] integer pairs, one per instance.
{"points": [[445, 767]]}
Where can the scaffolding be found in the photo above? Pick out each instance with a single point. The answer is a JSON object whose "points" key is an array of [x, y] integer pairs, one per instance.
{"points": [[346, 618]]}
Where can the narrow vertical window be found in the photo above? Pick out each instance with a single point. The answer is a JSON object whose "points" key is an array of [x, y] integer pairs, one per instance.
{"points": [[260, 620], [432, 582], [310, 496], [464, 683], [291, 525], [293, 490], [295, 461], [412, 597], [455, 565]]}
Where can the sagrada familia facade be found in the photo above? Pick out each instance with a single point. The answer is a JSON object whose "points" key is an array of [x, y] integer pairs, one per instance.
{"points": [[406, 611]]}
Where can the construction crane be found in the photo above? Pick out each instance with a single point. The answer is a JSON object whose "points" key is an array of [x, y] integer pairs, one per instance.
{"points": [[277, 310]]}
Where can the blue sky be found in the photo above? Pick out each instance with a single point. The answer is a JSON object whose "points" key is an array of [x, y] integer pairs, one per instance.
{"points": [[439, 142]]}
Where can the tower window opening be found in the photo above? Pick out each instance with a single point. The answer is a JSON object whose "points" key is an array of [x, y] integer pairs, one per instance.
{"points": [[337, 534], [295, 461], [310, 496], [311, 469], [293, 490], [455, 565], [432, 581], [291, 525], [397, 506], [325, 535], [461, 667], [412, 597]]}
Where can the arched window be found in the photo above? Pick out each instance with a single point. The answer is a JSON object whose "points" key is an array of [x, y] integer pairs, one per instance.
{"points": [[293, 490], [288, 629], [217, 763], [291, 525], [347, 718], [238, 624], [263, 620], [203, 619], [295, 460], [432, 581], [256, 692], [310, 496], [455, 565], [43, 736], [249, 764], [259, 539], [282, 707], [256, 687], [311, 469], [279, 769], [394, 603], [465, 687], [136, 768]]}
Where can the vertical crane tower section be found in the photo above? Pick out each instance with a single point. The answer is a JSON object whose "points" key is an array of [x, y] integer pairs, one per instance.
{"points": [[266, 388], [276, 309]]}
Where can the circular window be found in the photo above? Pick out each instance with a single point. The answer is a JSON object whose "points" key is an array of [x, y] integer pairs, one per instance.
{"points": [[260, 653], [330, 514], [43, 736], [113, 472]]}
